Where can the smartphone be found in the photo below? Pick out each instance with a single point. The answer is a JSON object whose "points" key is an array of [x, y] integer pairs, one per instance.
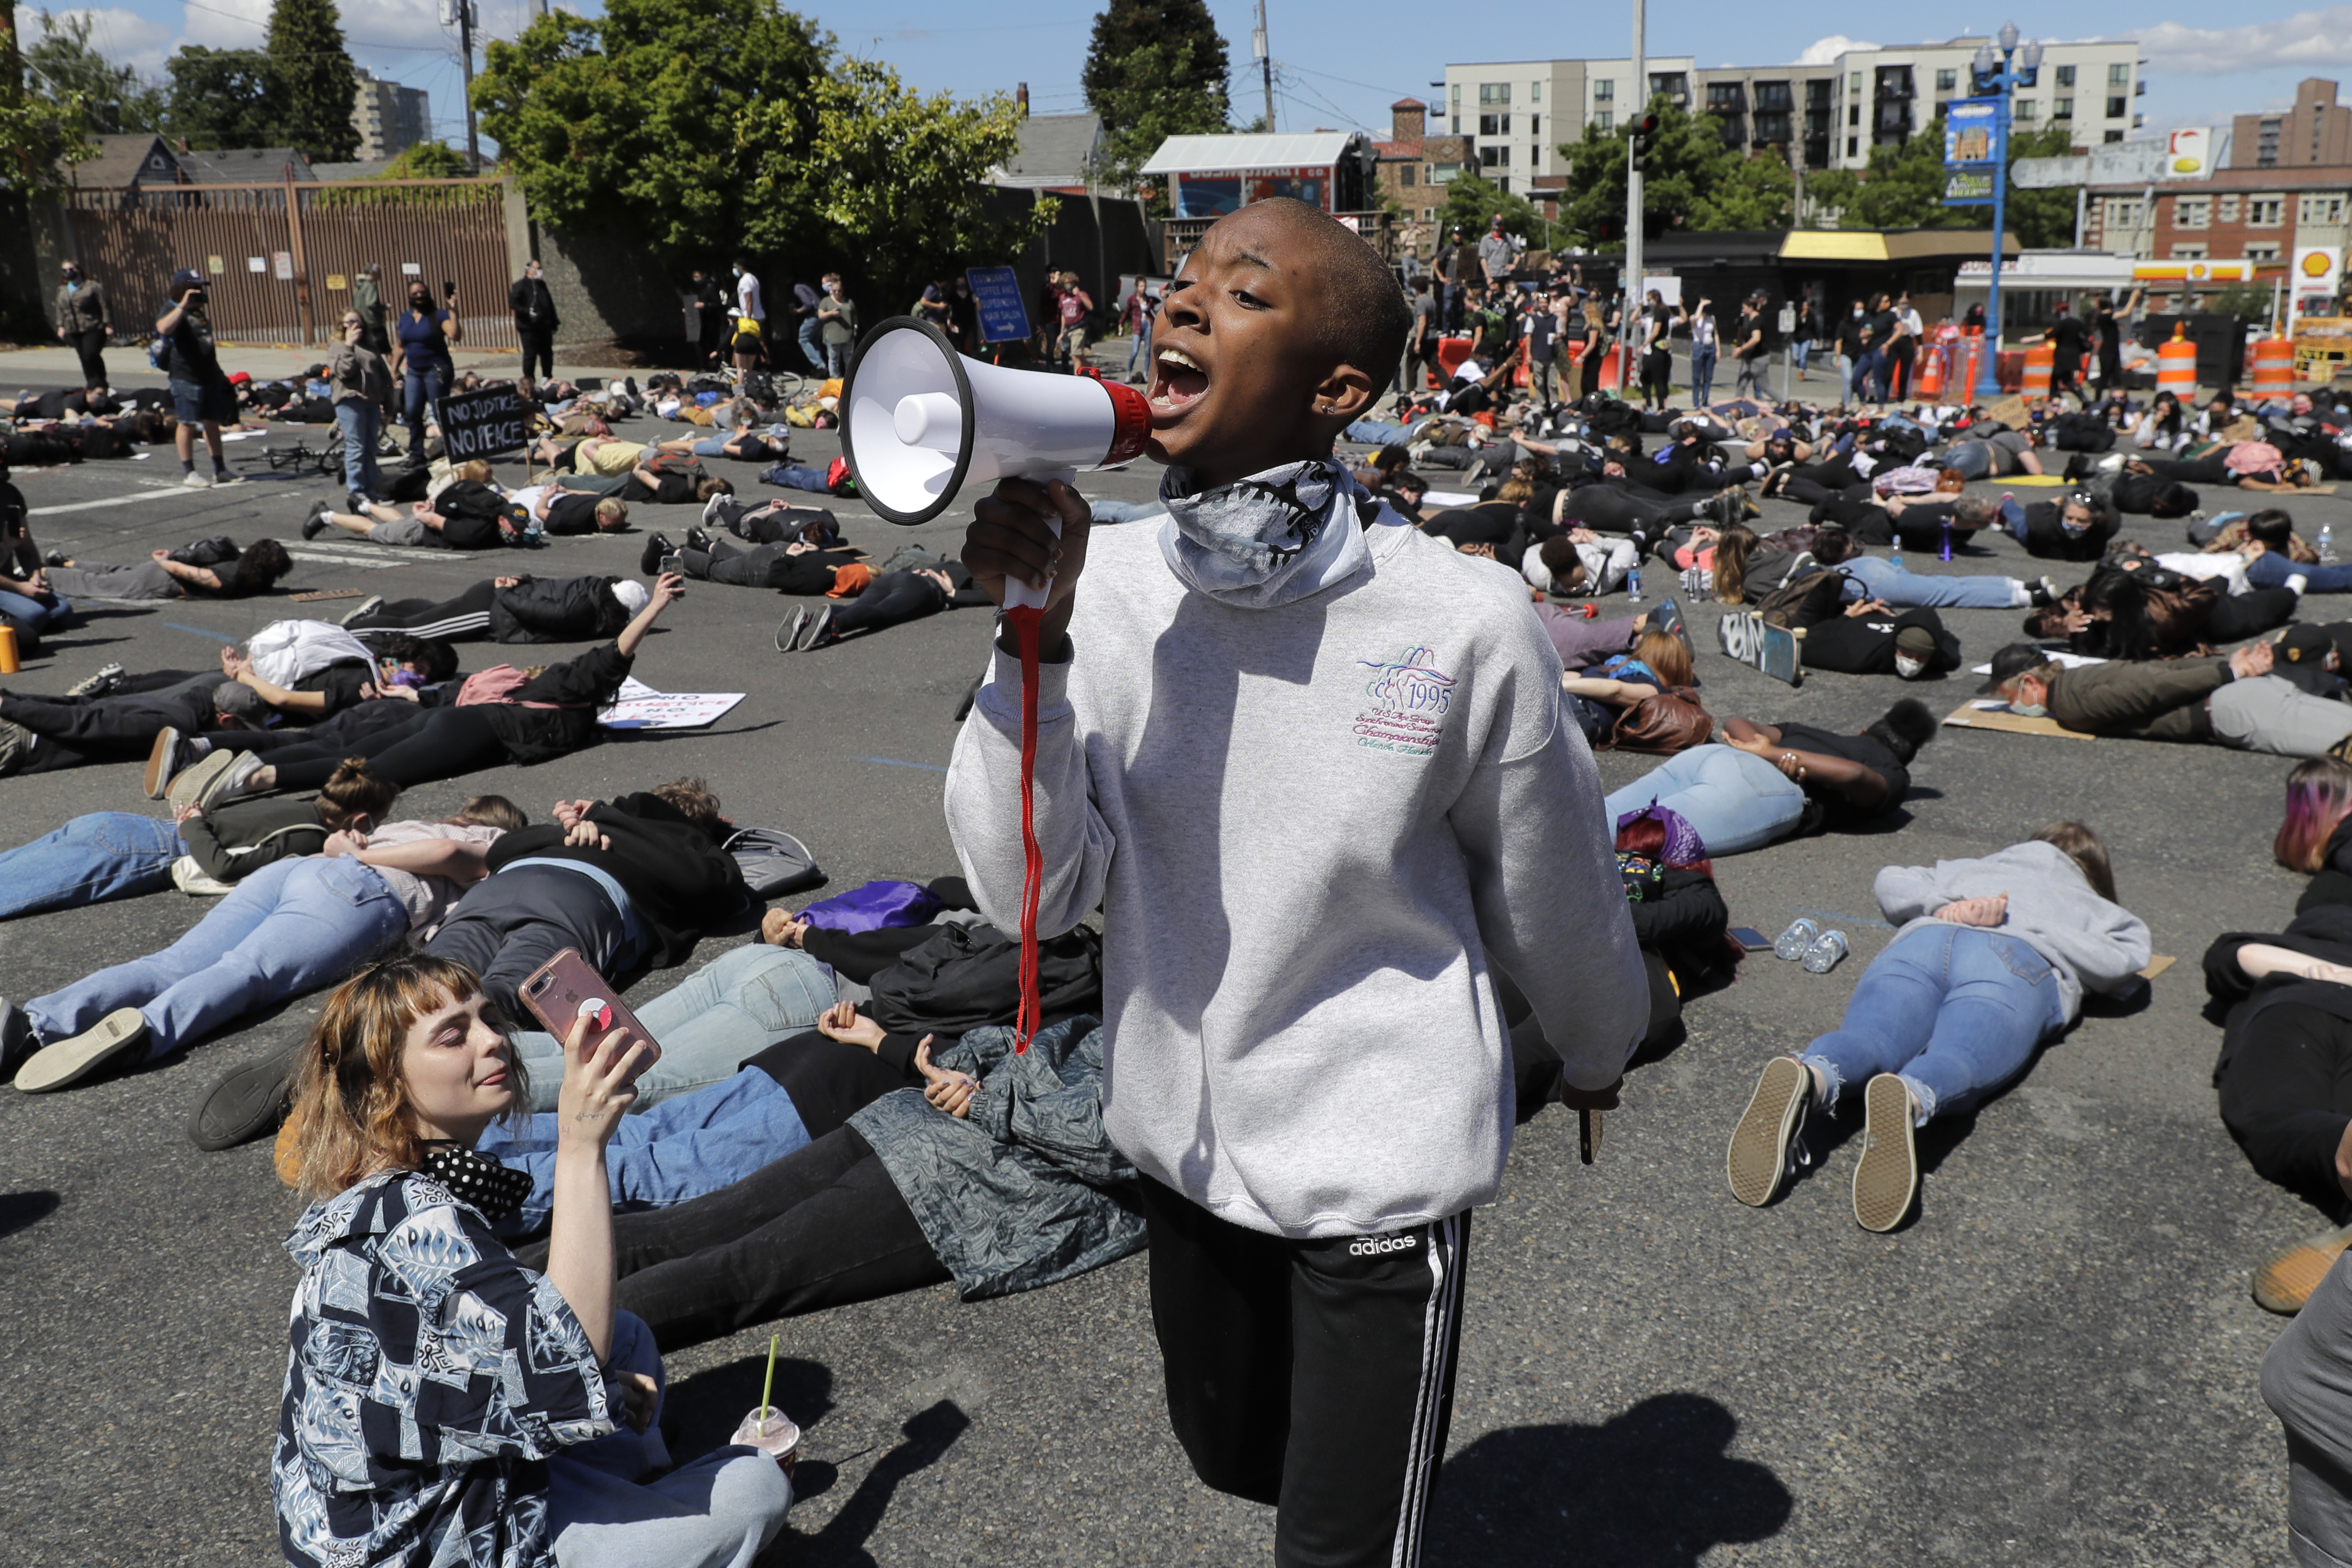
{"points": [[1749, 939], [671, 562], [448, 289], [566, 988]]}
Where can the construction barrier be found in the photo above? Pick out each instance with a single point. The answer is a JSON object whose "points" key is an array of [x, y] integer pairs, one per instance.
{"points": [[2274, 368], [2040, 359], [1928, 378], [1968, 364], [1451, 353], [2176, 365]]}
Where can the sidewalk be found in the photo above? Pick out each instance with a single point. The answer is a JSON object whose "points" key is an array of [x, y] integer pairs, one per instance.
{"points": [[126, 364]]}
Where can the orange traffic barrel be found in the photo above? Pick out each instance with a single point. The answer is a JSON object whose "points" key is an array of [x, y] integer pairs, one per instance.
{"points": [[1930, 381], [2176, 364], [2274, 368], [2039, 361]]}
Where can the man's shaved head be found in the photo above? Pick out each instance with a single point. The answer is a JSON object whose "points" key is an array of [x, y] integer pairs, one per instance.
{"points": [[1365, 318]]}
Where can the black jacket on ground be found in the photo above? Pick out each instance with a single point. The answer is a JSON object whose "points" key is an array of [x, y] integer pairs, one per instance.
{"points": [[238, 839], [557, 609], [675, 875], [575, 689]]}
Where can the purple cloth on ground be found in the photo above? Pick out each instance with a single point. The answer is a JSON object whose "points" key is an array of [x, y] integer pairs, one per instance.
{"points": [[874, 907]]}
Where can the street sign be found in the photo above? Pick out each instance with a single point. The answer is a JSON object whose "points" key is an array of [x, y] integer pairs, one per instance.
{"points": [[482, 424], [1976, 145], [1004, 317]]}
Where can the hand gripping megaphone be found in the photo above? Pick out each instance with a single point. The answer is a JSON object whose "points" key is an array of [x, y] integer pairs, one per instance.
{"points": [[919, 422]]}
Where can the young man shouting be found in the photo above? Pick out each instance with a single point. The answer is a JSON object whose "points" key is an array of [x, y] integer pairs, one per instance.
{"points": [[1311, 763]]}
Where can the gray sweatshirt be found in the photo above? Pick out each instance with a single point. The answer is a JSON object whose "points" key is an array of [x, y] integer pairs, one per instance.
{"points": [[2088, 940], [1312, 829]]}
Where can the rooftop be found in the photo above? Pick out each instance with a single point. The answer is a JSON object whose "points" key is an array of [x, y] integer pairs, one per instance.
{"points": [[1187, 154]]}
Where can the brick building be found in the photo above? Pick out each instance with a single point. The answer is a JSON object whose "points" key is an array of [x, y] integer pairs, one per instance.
{"points": [[2288, 184], [1415, 168]]}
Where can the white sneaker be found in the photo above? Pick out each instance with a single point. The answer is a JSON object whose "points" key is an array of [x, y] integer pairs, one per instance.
{"points": [[2298, 581], [196, 482], [232, 782]]}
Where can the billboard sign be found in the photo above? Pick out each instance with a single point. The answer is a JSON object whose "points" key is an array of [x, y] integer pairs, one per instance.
{"points": [[1976, 139]]}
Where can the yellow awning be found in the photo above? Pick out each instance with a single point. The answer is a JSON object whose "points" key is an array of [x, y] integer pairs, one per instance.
{"points": [[1832, 244]]}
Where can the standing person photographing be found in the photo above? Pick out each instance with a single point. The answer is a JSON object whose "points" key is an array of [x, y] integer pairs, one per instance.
{"points": [[201, 394], [1284, 742], [420, 356]]}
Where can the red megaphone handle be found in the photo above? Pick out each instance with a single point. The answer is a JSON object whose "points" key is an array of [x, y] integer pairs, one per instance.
{"points": [[1024, 621]]}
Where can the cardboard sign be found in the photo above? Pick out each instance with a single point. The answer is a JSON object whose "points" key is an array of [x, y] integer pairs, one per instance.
{"points": [[639, 707], [1003, 316], [482, 424]]}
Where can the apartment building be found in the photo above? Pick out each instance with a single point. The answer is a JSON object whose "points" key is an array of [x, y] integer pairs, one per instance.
{"points": [[1825, 115], [2316, 133], [1415, 164], [390, 118]]}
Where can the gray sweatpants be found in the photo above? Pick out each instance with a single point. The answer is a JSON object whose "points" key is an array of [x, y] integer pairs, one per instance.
{"points": [[2302, 1380], [2267, 714]]}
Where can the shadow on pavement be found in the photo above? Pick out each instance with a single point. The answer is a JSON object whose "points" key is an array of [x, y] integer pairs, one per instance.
{"points": [[1650, 1488], [841, 1543], [19, 1210]]}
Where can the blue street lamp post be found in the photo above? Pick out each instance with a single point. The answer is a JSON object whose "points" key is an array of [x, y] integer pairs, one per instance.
{"points": [[2018, 66]]}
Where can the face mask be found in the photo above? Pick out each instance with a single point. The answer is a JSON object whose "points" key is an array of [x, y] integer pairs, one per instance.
{"points": [[2073, 527], [408, 678], [1909, 668]]}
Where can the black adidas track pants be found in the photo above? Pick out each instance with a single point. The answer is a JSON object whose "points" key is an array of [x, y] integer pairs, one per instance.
{"points": [[1314, 1375]]}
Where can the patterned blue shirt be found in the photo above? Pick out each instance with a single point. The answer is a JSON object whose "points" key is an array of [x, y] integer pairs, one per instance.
{"points": [[429, 1377]]}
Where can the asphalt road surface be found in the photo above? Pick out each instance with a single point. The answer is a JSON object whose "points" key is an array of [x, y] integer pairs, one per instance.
{"points": [[2054, 1362]]}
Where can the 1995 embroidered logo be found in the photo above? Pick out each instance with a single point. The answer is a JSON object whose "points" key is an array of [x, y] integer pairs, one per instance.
{"points": [[1411, 695]]}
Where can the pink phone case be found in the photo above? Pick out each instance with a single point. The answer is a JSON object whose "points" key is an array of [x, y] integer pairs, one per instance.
{"points": [[566, 986]]}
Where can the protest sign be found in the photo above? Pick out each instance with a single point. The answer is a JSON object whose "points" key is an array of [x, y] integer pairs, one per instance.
{"points": [[482, 424]]}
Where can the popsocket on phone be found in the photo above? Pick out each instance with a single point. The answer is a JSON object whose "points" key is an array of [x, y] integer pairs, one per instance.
{"points": [[598, 1012]]}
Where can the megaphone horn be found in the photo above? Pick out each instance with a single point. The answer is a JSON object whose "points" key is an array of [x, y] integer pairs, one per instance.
{"points": [[919, 422]]}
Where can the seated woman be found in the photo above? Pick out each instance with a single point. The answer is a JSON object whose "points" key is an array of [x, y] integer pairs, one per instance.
{"points": [[1992, 958], [120, 855], [2164, 428], [27, 602], [543, 714], [997, 1174], [889, 600], [437, 1390], [1765, 782], [259, 568], [291, 927]]}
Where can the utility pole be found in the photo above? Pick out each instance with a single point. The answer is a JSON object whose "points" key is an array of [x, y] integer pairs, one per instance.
{"points": [[1632, 286], [1998, 76], [1265, 62], [466, 52]]}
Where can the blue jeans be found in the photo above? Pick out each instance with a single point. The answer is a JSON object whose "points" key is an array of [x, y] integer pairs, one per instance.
{"points": [[708, 1024], [31, 617], [1793, 370], [1702, 363], [1377, 433], [2271, 569], [797, 476], [1907, 590], [1954, 1010], [294, 926], [688, 1145], [1734, 801], [360, 423], [106, 855], [811, 345], [424, 387], [1137, 349]]}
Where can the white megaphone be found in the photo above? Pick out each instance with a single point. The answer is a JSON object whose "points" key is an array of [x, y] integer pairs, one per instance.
{"points": [[920, 421]]}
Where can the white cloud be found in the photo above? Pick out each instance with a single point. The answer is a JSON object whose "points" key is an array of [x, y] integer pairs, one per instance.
{"points": [[225, 24], [124, 36], [1825, 51], [2307, 38]]}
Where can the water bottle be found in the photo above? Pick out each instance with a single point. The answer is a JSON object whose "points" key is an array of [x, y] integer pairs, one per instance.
{"points": [[1823, 956], [1894, 554], [2326, 545], [1633, 586], [1947, 540], [1792, 943]]}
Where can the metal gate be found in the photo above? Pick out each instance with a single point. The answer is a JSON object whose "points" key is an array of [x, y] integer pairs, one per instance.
{"points": [[282, 257]]}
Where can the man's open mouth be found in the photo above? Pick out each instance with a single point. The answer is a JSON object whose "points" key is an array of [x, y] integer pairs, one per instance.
{"points": [[1178, 382]]}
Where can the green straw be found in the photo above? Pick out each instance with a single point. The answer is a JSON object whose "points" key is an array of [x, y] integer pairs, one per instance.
{"points": [[768, 1386]]}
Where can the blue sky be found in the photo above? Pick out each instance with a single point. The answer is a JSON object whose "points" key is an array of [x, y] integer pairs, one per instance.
{"points": [[1343, 65]]}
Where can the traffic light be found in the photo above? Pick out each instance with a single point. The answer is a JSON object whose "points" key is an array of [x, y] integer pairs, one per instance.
{"points": [[1637, 147]]}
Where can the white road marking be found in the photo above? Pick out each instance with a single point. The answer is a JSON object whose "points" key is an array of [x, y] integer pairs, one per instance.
{"points": [[300, 554], [121, 501]]}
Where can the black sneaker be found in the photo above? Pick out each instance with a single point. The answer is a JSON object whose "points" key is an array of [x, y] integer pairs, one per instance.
{"points": [[649, 558], [696, 540], [244, 1103], [2042, 593], [18, 1040], [54, 558], [316, 523]]}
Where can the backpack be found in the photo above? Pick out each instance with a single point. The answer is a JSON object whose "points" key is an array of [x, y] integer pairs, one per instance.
{"points": [[875, 906], [2147, 495], [774, 864], [1795, 604]]}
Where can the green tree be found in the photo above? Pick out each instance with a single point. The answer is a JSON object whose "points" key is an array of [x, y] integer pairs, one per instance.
{"points": [[62, 64], [1472, 202], [425, 161], [1157, 96], [1128, 26], [1903, 187], [221, 98], [313, 86], [892, 178], [1691, 180], [631, 123]]}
